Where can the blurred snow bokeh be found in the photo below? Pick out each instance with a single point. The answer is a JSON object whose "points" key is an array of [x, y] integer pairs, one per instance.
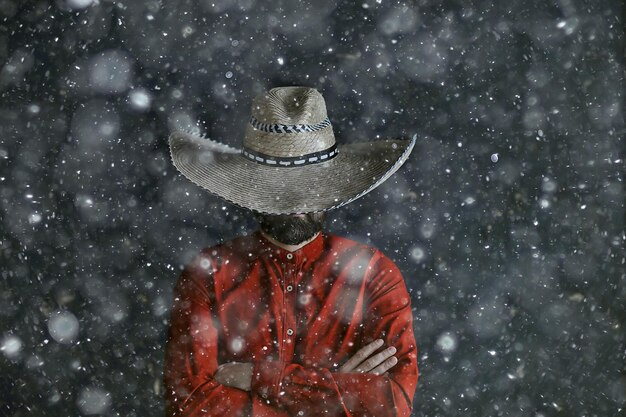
{"points": [[507, 221], [92, 400], [63, 327], [11, 346]]}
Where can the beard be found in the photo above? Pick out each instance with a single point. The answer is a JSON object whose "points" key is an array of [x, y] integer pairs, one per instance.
{"points": [[291, 229]]}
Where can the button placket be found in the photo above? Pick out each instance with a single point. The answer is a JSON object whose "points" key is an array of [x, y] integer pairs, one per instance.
{"points": [[290, 311]]}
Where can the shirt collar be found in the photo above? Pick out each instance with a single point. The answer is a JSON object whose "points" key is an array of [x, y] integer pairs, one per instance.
{"points": [[306, 253]]}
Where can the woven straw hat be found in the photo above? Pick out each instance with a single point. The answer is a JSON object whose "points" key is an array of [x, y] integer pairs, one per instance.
{"points": [[290, 162]]}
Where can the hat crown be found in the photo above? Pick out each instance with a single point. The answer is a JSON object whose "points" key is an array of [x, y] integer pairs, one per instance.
{"points": [[289, 127], [290, 106]]}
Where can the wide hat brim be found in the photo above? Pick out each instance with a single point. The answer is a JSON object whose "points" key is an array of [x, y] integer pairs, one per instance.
{"points": [[222, 170]]}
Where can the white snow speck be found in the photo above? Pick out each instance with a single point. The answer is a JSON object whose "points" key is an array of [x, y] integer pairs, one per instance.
{"points": [[34, 218], [417, 254], [236, 345], [139, 99], [447, 342]]}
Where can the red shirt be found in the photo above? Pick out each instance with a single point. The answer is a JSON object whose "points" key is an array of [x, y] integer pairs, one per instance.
{"points": [[297, 316]]}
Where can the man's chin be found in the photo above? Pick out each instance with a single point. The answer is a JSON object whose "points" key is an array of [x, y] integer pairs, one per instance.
{"points": [[292, 229], [292, 240]]}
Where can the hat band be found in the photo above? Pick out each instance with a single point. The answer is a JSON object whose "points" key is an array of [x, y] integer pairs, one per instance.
{"points": [[280, 128], [310, 158]]}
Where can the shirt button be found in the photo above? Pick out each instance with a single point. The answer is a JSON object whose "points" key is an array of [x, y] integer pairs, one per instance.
{"points": [[289, 288], [289, 332], [289, 256]]}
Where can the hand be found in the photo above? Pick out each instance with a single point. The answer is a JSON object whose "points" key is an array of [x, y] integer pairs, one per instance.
{"points": [[376, 364], [235, 374]]}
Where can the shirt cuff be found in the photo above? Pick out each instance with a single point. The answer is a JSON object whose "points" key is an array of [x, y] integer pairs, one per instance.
{"points": [[266, 377]]}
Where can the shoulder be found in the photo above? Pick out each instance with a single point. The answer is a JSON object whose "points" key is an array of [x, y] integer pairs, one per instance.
{"points": [[377, 260], [344, 242], [383, 279]]}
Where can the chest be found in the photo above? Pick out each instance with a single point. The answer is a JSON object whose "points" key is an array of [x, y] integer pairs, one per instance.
{"points": [[311, 315]]}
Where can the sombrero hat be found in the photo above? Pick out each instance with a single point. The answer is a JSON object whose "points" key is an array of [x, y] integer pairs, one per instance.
{"points": [[289, 162]]}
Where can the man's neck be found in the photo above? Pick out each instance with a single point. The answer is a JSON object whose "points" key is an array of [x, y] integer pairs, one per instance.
{"points": [[290, 248]]}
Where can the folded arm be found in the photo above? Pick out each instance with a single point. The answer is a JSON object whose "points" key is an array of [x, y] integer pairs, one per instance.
{"points": [[191, 353], [313, 391]]}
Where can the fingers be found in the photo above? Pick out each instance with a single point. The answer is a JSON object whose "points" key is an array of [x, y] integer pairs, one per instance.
{"points": [[376, 360], [360, 356], [385, 366], [365, 361]]}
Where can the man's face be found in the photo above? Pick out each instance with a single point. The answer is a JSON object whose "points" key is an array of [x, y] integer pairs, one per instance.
{"points": [[291, 229]]}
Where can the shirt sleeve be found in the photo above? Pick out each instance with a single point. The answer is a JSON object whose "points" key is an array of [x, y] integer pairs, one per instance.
{"points": [[314, 391], [191, 352]]}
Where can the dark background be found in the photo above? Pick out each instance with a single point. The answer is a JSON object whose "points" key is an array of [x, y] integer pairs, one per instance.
{"points": [[507, 220]]}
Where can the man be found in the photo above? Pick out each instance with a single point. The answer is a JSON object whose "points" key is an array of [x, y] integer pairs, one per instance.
{"points": [[290, 320]]}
